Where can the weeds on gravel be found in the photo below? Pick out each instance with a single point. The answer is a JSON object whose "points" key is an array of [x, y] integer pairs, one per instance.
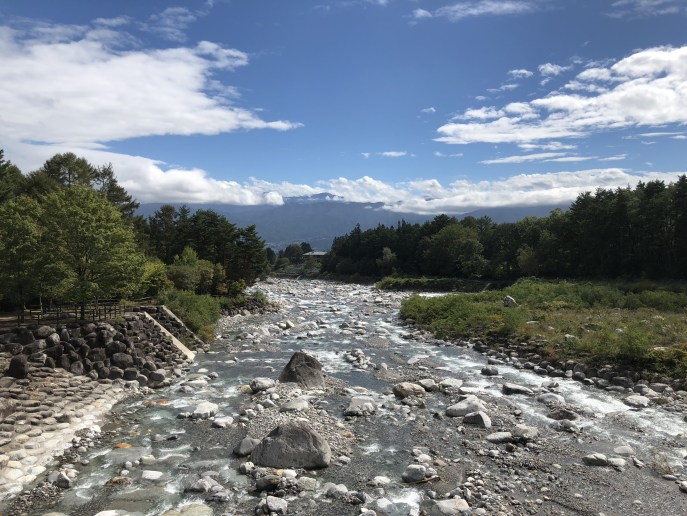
{"points": [[597, 323]]}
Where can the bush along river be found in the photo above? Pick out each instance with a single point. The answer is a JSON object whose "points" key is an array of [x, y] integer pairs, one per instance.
{"points": [[332, 406]]}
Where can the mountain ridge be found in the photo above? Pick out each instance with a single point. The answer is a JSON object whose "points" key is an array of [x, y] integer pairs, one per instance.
{"points": [[318, 219]]}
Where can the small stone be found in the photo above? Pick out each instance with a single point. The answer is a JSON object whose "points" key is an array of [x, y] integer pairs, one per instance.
{"points": [[276, 505], [414, 473], [261, 384], [405, 389], [500, 437], [205, 410], [595, 459], [478, 418]]}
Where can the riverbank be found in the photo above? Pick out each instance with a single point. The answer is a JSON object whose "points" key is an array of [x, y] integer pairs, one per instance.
{"points": [[412, 423], [590, 329]]}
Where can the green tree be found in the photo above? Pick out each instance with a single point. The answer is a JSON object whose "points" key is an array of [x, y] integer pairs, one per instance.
{"points": [[387, 262], [11, 180], [294, 253], [90, 244], [454, 251], [163, 233], [22, 249], [270, 256], [247, 261], [184, 271], [154, 278]]}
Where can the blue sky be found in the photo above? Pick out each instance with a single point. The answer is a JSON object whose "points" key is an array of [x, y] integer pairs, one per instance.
{"points": [[426, 106]]}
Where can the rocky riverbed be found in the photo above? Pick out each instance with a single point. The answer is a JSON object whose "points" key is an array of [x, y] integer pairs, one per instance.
{"points": [[394, 423]]}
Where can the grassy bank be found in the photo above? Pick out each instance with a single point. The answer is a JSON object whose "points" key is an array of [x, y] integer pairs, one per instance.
{"points": [[436, 284], [625, 325], [200, 313]]}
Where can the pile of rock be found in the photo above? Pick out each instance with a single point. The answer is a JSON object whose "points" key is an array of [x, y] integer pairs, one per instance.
{"points": [[134, 349], [175, 326]]}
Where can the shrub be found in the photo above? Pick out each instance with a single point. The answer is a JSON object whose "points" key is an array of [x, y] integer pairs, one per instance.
{"points": [[197, 311]]}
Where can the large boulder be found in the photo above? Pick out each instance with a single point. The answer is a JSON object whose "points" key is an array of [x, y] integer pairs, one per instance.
{"points": [[19, 367], [292, 445], [43, 332], [304, 370], [122, 360]]}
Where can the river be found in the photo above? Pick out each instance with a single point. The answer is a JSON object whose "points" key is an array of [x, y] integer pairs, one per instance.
{"points": [[329, 320]]}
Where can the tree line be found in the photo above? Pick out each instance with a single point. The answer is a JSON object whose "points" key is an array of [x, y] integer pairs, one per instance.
{"points": [[638, 232], [69, 232]]}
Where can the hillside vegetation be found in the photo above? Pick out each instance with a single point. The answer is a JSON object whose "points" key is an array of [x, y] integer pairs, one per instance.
{"points": [[69, 233]]}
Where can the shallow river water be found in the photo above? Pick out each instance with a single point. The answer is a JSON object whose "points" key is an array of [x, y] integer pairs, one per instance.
{"points": [[331, 319]]}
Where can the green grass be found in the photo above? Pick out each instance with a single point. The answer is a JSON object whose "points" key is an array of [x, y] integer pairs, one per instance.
{"points": [[596, 323], [199, 313]]}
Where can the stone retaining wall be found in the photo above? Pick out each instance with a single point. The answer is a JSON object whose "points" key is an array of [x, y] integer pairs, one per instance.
{"points": [[175, 326], [55, 381]]}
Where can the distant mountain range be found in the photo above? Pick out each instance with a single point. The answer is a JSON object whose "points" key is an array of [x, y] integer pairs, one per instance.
{"points": [[318, 219]]}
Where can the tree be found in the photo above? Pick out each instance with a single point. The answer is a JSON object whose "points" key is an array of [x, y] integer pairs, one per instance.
{"points": [[306, 247], [106, 184], [247, 261], [270, 256], [454, 251], [163, 233], [184, 271], [89, 243], [67, 170], [387, 262], [21, 246], [294, 253], [154, 278], [11, 180]]}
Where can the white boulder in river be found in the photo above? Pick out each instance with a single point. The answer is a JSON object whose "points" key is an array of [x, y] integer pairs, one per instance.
{"points": [[204, 410], [470, 404]]}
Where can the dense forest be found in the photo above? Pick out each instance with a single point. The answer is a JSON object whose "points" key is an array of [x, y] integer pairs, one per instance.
{"points": [[627, 232], [69, 233]]}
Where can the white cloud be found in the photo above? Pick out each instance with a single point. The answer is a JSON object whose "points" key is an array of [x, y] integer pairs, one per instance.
{"points": [[504, 87], [483, 113], [392, 154], [442, 155], [520, 73], [549, 69], [551, 146], [660, 133], [87, 90], [428, 110], [650, 90], [641, 8], [473, 8], [365, 155], [419, 14], [154, 181], [571, 159], [171, 23], [541, 156], [619, 157]]}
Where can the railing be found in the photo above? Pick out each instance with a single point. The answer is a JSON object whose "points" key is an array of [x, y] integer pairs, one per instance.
{"points": [[96, 310]]}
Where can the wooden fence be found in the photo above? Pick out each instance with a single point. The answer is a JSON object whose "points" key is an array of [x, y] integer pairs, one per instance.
{"points": [[96, 310]]}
